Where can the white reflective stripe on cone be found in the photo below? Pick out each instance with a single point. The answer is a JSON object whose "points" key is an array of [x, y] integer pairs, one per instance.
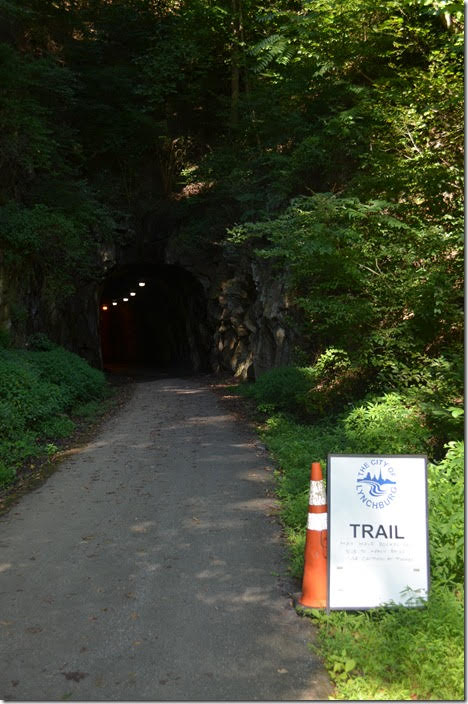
{"points": [[317, 493], [317, 521]]}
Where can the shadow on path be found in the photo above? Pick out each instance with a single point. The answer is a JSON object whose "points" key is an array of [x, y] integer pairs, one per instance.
{"points": [[150, 567]]}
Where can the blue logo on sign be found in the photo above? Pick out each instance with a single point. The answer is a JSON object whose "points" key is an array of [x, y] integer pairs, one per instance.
{"points": [[374, 484]]}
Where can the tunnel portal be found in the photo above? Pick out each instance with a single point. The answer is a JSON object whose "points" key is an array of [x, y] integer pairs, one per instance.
{"points": [[154, 317]]}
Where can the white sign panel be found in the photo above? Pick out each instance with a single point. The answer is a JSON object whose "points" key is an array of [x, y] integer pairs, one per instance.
{"points": [[377, 530]]}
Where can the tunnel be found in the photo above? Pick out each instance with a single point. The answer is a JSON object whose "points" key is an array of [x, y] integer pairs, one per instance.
{"points": [[154, 317]]}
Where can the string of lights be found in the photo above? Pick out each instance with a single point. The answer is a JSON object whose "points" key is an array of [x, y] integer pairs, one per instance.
{"points": [[125, 299]]}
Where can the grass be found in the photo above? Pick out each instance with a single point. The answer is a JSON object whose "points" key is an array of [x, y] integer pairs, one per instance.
{"points": [[386, 653], [397, 653]]}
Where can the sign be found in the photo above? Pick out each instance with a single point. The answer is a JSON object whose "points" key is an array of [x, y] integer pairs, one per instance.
{"points": [[377, 530]]}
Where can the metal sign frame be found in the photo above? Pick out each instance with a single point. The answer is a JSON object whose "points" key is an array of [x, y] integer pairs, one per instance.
{"points": [[366, 461]]}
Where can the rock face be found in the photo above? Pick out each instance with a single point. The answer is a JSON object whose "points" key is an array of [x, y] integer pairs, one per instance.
{"points": [[247, 312], [249, 317], [236, 308]]}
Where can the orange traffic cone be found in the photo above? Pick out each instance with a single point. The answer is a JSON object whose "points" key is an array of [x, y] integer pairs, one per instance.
{"points": [[314, 582]]}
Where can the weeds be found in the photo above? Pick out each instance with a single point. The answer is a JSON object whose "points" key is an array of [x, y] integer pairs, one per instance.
{"points": [[387, 653], [40, 389]]}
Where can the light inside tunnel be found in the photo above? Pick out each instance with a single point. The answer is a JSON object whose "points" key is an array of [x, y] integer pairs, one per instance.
{"points": [[163, 327]]}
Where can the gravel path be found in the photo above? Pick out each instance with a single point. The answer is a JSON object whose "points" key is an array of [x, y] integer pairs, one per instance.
{"points": [[150, 567]]}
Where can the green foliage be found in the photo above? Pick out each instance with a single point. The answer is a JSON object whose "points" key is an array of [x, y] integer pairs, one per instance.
{"points": [[405, 666], [41, 239], [223, 113], [25, 399], [364, 277], [88, 410], [50, 219], [38, 390], [439, 395], [7, 474], [40, 342], [446, 511], [76, 380], [280, 389], [397, 653], [381, 87], [386, 425], [383, 292], [5, 338], [307, 392], [55, 427], [383, 654], [337, 382]]}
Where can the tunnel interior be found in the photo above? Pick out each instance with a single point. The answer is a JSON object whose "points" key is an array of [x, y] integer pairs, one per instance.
{"points": [[154, 317]]}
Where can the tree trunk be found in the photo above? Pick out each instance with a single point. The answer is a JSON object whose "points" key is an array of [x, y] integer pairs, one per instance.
{"points": [[235, 63]]}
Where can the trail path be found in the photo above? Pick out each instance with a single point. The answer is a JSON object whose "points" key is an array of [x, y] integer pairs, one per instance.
{"points": [[146, 567]]}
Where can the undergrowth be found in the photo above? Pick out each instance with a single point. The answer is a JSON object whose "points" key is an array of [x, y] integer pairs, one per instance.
{"points": [[397, 653], [42, 389], [386, 653]]}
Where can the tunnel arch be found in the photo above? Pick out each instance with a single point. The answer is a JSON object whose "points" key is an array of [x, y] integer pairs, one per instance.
{"points": [[154, 316]]}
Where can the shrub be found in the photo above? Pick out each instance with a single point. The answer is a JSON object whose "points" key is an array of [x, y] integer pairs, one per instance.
{"points": [[88, 410], [441, 399], [280, 389], [56, 427], [420, 651], [307, 392], [40, 341], [5, 337], [73, 375], [336, 383], [389, 424], [446, 516], [7, 474], [38, 389], [26, 398]]}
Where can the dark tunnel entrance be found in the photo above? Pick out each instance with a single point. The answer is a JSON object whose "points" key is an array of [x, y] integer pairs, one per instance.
{"points": [[154, 318]]}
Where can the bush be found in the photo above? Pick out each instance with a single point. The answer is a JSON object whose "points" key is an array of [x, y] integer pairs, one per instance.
{"points": [[386, 425], [38, 390], [40, 341], [5, 337], [280, 389], [7, 474], [25, 398], [446, 516], [336, 383], [420, 651], [75, 378], [307, 392], [56, 427]]}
